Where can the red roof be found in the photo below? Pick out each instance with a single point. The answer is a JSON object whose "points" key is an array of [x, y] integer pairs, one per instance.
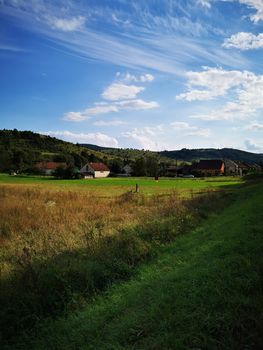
{"points": [[213, 164], [99, 167], [49, 165]]}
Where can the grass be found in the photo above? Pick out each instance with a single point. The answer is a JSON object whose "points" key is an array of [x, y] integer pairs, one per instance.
{"points": [[203, 291], [115, 186]]}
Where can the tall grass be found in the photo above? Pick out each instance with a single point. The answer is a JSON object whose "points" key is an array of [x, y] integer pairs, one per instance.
{"points": [[59, 249]]}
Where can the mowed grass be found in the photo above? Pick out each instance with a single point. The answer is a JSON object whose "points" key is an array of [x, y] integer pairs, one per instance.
{"points": [[107, 187], [204, 291]]}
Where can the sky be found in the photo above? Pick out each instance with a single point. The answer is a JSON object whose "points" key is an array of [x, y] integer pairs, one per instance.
{"points": [[147, 74]]}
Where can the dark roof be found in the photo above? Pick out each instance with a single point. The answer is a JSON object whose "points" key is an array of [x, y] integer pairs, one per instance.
{"points": [[99, 167], [211, 164], [49, 165], [242, 165]]}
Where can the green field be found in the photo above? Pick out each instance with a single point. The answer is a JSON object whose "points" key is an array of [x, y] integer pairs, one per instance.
{"points": [[117, 186]]}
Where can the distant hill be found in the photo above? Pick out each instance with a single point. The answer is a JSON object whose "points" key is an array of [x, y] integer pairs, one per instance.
{"points": [[185, 155], [212, 153]]}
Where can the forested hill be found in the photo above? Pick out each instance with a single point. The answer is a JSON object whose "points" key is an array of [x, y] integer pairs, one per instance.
{"points": [[213, 153], [20, 150], [186, 155]]}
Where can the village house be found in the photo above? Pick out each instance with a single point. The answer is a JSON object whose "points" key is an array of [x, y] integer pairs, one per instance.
{"points": [[94, 170], [48, 168], [211, 167]]}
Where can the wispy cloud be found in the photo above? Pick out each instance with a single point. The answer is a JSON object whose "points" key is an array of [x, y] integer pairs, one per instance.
{"points": [[204, 3], [66, 24], [255, 126], [110, 123], [251, 145], [5, 47], [256, 5], [189, 130], [94, 138], [104, 107], [161, 43], [143, 137]]}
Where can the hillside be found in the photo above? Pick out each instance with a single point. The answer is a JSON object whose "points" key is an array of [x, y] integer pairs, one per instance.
{"points": [[20, 150]]}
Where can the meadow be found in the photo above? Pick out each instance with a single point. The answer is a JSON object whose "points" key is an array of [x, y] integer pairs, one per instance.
{"points": [[108, 187], [65, 243]]}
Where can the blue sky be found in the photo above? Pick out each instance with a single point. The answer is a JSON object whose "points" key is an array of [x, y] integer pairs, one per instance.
{"points": [[151, 74]]}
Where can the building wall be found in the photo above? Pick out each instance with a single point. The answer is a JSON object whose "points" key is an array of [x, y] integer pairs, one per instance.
{"points": [[98, 174]]}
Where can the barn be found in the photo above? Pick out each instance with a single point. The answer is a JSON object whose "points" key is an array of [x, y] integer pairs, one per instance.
{"points": [[211, 167]]}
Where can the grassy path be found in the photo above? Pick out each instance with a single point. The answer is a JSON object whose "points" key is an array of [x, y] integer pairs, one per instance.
{"points": [[203, 292]]}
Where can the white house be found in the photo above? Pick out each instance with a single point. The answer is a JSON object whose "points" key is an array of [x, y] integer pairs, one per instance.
{"points": [[95, 170]]}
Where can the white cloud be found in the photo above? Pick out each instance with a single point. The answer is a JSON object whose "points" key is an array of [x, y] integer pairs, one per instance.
{"points": [[244, 41], [95, 138], [114, 107], [119, 91], [252, 146], [110, 123], [137, 105], [213, 82], [205, 3], [74, 116], [146, 78], [258, 6], [127, 77], [246, 87], [255, 126], [144, 137], [229, 111], [181, 126], [66, 24], [189, 130]]}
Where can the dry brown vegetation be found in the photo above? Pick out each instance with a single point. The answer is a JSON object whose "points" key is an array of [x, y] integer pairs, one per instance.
{"points": [[50, 222]]}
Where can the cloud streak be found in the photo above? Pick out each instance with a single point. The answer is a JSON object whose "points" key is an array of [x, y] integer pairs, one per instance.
{"points": [[104, 107]]}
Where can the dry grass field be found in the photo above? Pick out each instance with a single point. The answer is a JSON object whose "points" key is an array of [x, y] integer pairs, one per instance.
{"points": [[59, 248]]}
